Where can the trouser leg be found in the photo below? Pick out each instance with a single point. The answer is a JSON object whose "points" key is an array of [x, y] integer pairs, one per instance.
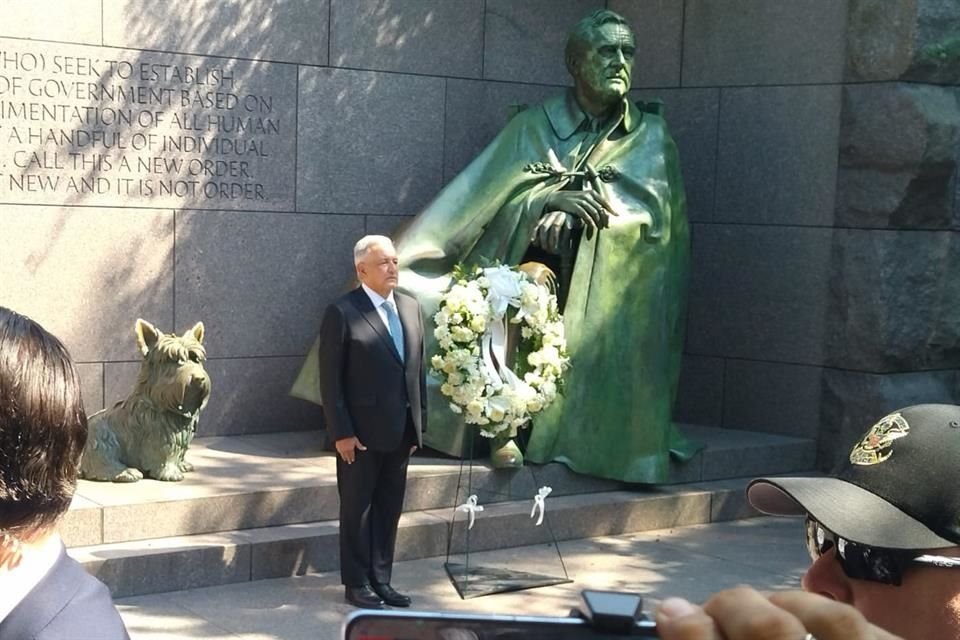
{"points": [[385, 513], [355, 484]]}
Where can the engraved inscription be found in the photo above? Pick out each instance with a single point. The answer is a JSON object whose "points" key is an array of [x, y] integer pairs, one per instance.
{"points": [[94, 125]]}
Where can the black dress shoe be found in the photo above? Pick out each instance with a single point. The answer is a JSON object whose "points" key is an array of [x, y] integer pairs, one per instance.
{"points": [[363, 597], [391, 596]]}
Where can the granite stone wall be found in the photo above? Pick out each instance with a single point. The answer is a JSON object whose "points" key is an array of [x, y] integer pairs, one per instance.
{"points": [[826, 285], [215, 160]]}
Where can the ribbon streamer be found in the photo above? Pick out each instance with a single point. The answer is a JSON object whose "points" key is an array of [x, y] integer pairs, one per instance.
{"points": [[504, 292], [470, 507], [539, 503]]}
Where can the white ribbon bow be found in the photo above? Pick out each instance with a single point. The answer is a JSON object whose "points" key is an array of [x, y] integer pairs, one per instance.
{"points": [[504, 292], [470, 507], [539, 504]]}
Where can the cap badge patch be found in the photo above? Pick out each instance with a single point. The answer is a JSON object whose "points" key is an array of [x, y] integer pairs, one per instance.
{"points": [[877, 445]]}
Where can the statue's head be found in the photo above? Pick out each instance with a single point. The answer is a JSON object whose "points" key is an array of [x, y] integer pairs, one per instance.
{"points": [[599, 56]]}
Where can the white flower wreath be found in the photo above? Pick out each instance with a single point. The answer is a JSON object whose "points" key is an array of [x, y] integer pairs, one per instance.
{"points": [[471, 331]]}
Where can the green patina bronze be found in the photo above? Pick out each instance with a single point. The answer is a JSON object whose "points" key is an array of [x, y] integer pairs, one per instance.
{"points": [[590, 183], [149, 432]]}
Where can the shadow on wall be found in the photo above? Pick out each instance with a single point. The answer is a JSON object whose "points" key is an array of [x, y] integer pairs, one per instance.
{"points": [[118, 143]]}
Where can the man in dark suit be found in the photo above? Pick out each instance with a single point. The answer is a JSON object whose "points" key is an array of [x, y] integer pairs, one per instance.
{"points": [[44, 594], [372, 382]]}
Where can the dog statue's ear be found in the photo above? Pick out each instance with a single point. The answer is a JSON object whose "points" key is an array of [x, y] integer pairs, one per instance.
{"points": [[196, 332], [147, 336]]}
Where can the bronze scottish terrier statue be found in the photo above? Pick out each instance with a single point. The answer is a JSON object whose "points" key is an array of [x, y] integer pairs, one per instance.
{"points": [[148, 433]]}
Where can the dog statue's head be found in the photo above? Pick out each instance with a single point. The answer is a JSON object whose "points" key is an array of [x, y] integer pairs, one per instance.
{"points": [[172, 373]]}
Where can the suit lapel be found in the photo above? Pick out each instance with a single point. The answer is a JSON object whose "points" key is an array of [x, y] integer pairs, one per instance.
{"points": [[362, 301]]}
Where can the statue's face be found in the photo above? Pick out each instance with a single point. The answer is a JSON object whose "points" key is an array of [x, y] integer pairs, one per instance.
{"points": [[603, 72]]}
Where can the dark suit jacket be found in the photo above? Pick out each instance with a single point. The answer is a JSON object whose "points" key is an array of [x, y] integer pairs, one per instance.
{"points": [[365, 386], [68, 604]]}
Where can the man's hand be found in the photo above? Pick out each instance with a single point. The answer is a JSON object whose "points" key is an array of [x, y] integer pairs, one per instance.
{"points": [[554, 231], [412, 449], [746, 614], [347, 448], [590, 207]]}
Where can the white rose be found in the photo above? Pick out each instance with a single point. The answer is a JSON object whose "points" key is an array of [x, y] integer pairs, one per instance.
{"points": [[463, 334], [475, 408], [532, 378]]}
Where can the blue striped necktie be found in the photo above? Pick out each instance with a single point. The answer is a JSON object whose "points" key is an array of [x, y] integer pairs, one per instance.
{"points": [[393, 324]]}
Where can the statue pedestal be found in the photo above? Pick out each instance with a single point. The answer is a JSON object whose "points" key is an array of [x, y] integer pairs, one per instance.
{"points": [[476, 560]]}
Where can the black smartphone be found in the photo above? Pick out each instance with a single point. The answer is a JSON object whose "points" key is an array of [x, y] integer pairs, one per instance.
{"points": [[420, 625]]}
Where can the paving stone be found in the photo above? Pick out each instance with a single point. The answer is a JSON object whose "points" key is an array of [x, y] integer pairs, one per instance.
{"points": [[134, 569], [273, 497], [82, 524], [733, 453], [226, 513], [298, 550], [690, 562]]}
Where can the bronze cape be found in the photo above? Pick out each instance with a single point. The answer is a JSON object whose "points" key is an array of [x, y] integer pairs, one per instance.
{"points": [[624, 315]]}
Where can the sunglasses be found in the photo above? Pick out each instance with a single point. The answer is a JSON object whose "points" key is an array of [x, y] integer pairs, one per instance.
{"points": [[862, 562]]}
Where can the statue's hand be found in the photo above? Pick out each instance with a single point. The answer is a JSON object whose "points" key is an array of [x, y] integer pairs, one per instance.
{"points": [[590, 207], [554, 231]]}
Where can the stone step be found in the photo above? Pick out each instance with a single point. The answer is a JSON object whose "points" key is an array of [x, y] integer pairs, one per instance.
{"points": [[184, 562], [265, 506], [253, 482]]}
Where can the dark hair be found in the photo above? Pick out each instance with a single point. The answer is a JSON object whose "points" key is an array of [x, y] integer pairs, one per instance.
{"points": [[579, 40], [43, 427]]}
